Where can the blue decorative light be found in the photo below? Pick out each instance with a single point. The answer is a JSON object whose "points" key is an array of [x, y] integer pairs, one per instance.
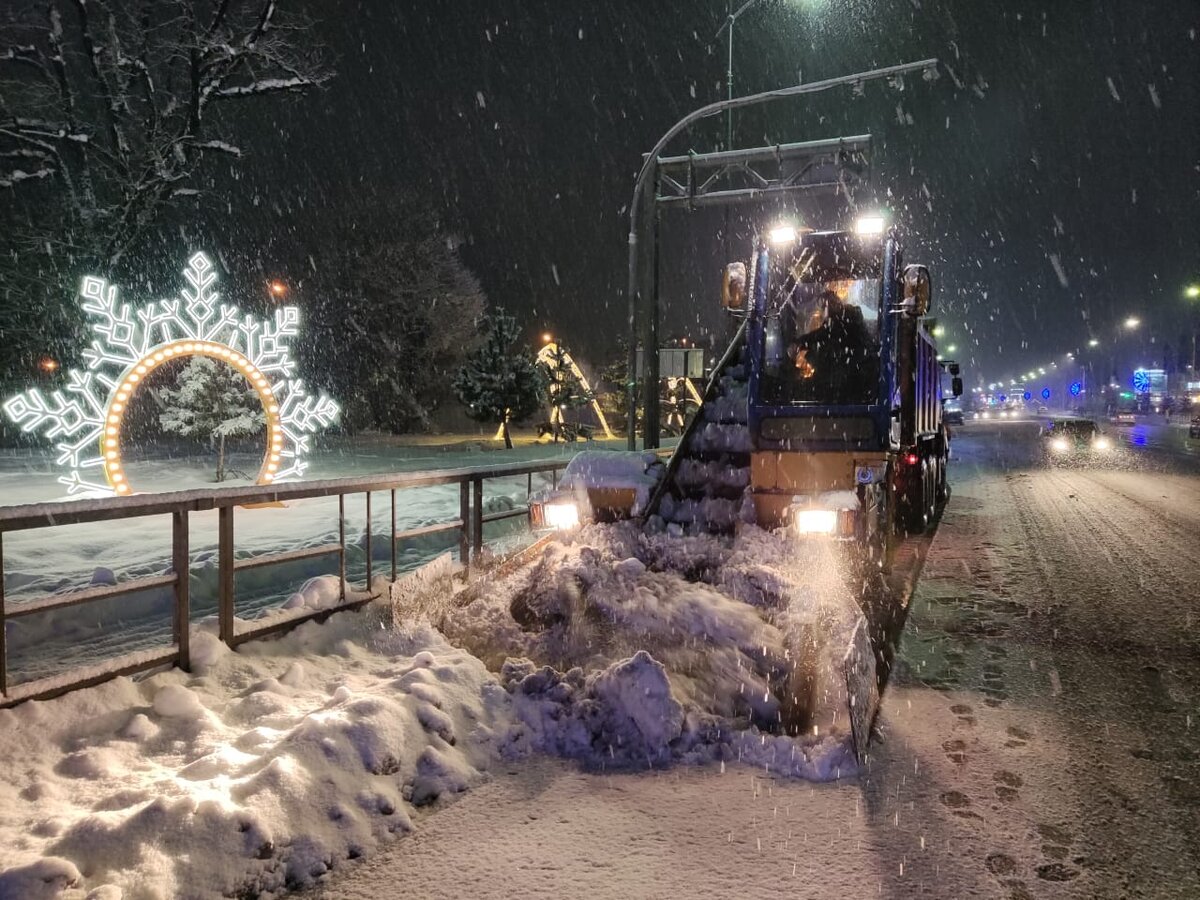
{"points": [[1002, 398], [1141, 381], [1045, 393], [1076, 388], [1028, 395]]}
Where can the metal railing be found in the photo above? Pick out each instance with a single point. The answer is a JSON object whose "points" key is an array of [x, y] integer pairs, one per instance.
{"points": [[468, 524]]}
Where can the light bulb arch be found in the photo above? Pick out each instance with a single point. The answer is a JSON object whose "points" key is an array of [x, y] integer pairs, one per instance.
{"points": [[122, 398]]}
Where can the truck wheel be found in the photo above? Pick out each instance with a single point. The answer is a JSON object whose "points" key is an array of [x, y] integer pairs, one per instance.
{"points": [[914, 505], [932, 480]]}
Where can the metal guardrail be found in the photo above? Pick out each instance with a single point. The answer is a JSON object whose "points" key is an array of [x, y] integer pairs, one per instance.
{"points": [[468, 524]]}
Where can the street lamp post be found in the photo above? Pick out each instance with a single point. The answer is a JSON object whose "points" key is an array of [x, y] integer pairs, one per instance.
{"points": [[730, 21]]}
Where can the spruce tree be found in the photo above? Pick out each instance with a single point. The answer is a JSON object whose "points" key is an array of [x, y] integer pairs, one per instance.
{"points": [[211, 401], [498, 384]]}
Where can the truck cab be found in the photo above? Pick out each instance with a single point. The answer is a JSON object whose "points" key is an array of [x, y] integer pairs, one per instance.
{"points": [[844, 387]]}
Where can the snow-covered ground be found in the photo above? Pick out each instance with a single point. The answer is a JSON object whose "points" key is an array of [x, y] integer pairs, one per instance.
{"points": [[1038, 739], [268, 768]]}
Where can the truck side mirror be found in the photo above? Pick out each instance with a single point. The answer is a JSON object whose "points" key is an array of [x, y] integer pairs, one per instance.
{"points": [[917, 290], [956, 386], [733, 287], [954, 368]]}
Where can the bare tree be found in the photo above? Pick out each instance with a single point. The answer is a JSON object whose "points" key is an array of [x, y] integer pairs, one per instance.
{"points": [[109, 109]]}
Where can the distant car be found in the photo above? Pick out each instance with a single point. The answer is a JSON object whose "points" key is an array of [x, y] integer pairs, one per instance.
{"points": [[1074, 437], [1123, 418], [952, 416], [1194, 427], [1043, 411]]}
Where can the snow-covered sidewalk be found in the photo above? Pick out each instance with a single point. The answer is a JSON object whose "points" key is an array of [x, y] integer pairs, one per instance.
{"points": [[265, 769]]}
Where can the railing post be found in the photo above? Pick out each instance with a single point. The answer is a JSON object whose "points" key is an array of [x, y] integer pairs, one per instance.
{"points": [[369, 547], [342, 545], [225, 574], [464, 516], [477, 514], [181, 565], [392, 542], [3, 627]]}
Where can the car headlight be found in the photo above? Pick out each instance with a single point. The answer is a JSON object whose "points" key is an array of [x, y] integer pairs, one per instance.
{"points": [[816, 521], [1060, 445], [1102, 443], [562, 515]]}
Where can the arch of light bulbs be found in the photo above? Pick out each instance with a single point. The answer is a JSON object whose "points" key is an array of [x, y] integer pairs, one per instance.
{"points": [[123, 396]]}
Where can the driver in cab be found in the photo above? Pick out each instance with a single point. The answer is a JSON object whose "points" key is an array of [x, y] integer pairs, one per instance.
{"points": [[835, 344]]}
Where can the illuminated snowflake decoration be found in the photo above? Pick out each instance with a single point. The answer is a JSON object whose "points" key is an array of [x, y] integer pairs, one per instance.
{"points": [[129, 345]]}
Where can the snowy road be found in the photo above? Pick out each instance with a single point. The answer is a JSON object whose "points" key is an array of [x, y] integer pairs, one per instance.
{"points": [[1037, 739]]}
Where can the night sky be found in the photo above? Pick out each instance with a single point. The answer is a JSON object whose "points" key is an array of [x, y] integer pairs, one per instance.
{"points": [[1050, 176]]}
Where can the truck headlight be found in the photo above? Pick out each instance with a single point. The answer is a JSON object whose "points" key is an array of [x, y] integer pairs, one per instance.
{"points": [[1102, 443], [868, 225], [1060, 445], [816, 521], [562, 515]]}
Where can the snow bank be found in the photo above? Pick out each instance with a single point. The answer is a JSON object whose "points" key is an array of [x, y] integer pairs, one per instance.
{"points": [[255, 774]]}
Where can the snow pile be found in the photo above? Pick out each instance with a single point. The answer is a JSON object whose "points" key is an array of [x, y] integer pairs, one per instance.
{"points": [[257, 773], [717, 638]]}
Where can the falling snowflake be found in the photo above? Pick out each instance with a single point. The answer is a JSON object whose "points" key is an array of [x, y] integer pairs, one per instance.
{"points": [[130, 344]]}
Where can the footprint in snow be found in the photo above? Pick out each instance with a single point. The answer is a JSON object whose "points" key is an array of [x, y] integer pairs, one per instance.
{"points": [[956, 751], [1000, 864], [1007, 784], [1056, 872]]}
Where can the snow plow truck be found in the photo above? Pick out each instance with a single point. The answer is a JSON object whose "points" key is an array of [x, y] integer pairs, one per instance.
{"points": [[823, 417]]}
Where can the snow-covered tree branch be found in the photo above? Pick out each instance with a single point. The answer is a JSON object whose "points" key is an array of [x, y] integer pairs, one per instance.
{"points": [[111, 110]]}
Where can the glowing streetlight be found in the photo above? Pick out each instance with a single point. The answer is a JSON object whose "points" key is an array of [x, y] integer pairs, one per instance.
{"points": [[1093, 343], [783, 234], [1192, 291], [953, 348], [1132, 322], [939, 331], [48, 364], [547, 337], [277, 288]]}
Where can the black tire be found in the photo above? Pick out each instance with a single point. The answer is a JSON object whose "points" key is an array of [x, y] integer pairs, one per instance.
{"points": [[914, 504]]}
